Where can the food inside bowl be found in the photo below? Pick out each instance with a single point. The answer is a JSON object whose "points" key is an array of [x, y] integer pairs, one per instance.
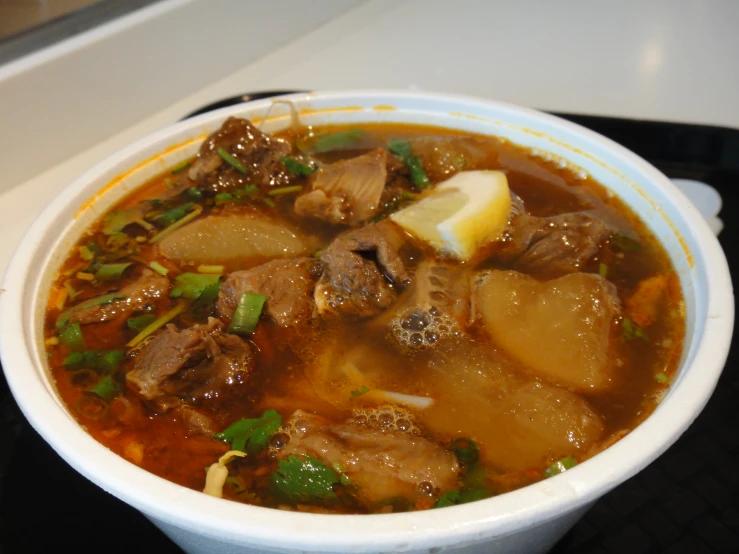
{"points": [[363, 319]]}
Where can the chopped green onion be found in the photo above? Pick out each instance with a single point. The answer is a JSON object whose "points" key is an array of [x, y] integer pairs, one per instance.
{"points": [[364, 389], [110, 272], [295, 167], [285, 190], [107, 388], [170, 216], [194, 193], [630, 331], [602, 270], [206, 299], [661, 378], [104, 361], [72, 337], [247, 313], [269, 202], [465, 450], [192, 285], [197, 210], [402, 149], [70, 289], [159, 268], [418, 175], [103, 300], [223, 198], [250, 189], [138, 323], [231, 160], [156, 325], [86, 254], [560, 466], [343, 139], [215, 269], [182, 167], [625, 242], [84, 276]]}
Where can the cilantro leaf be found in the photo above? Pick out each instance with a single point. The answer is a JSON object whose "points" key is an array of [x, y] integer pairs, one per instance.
{"points": [[295, 167], [454, 497], [302, 480], [192, 285], [364, 389], [251, 435]]}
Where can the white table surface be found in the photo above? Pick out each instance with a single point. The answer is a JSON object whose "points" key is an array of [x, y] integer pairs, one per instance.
{"points": [[674, 60]]}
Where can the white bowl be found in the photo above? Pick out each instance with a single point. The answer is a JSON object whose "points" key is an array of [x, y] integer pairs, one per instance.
{"points": [[531, 519]]}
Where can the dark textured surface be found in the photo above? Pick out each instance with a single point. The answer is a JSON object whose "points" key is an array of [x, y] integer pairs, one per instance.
{"points": [[686, 502]]}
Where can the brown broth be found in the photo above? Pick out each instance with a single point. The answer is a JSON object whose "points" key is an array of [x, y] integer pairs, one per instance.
{"points": [[159, 443]]}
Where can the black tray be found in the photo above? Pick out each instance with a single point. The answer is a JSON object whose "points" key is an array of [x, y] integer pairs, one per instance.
{"points": [[686, 502]]}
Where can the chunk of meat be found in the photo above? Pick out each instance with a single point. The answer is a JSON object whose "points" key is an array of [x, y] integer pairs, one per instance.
{"points": [[146, 290], [232, 239], [287, 284], [437, 304], [191, 365], [552, 246], [517, 421], [559, 329], [352, 284], [384, 463], [258, 152], [643, 304], [347, 191]]}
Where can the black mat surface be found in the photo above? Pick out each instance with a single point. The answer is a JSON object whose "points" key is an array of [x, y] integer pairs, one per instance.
{"points": [[686, 502]]}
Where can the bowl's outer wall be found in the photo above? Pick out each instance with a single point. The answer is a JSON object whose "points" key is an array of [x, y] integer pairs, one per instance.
{"points": [[693, 250]]}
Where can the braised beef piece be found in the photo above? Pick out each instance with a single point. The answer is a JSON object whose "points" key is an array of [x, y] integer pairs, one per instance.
{"points": [[259, 153], [132, 298], [376, 455], [352, 284], [189, 365], [347, 191], [552, 246], [287, 284]]}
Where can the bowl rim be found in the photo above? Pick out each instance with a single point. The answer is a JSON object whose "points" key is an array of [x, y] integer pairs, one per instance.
{"points": [[242, 524]]}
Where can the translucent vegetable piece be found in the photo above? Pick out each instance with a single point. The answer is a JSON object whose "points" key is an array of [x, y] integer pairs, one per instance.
{"points": [[559, 329], [232, 239]]}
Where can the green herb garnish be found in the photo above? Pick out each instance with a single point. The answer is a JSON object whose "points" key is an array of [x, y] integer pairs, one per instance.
{"points": [[247, 313], [72, 337], [102, 300], [175, 214], [602, 270], [465, 450], [232, 161], [364, 389], [455, 497], [107, 388], [334, 141], [305, 480], [102, 361], [295, 167], [560, 466], [402, 149], [625, 242], [661, 378], [138, 323], [111, 272], [180, 168], [631, 331], [192, 285], [251, 435], [285, 190]]}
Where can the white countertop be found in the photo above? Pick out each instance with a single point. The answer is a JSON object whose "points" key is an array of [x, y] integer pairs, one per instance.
{"points": [[653, 59]]}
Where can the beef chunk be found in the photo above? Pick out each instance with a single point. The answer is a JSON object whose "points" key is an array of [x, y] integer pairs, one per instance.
{"points": [[354, 285], [552, 246], [135, 297], [259, 153], [190, 365], [347, 191], [384, 462], [287, 284]]}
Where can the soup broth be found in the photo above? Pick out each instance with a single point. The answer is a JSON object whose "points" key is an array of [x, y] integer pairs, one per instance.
{"points": [[304, 321]]}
